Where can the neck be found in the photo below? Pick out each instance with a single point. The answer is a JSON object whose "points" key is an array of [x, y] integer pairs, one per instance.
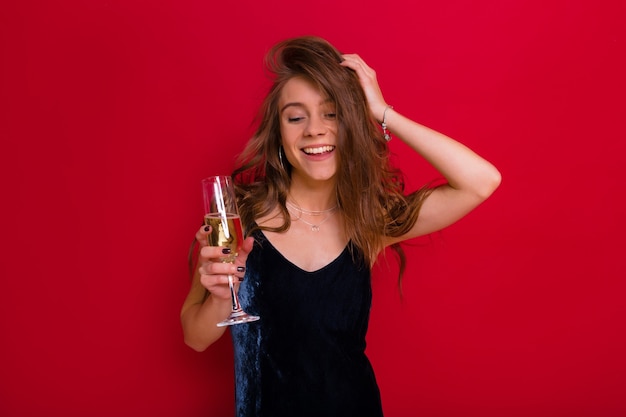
{"points": [[320, 197]]}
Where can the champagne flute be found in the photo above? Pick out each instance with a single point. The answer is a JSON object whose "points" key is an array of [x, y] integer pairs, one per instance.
{"points": [[221, 214]]}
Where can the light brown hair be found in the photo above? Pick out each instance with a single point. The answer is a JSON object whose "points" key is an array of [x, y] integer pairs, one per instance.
{"points": [[370, 192]]}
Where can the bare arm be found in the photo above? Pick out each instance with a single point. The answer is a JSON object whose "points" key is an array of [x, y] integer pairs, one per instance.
{"points": [[470, 178]]}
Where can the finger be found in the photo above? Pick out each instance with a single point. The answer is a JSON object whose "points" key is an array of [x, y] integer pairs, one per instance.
{"points": [[202, 235], [218, 286], [214, 252], [352, 57], [352, 64], [220, 268], [246, 246], [216, 281], [357, 63]]}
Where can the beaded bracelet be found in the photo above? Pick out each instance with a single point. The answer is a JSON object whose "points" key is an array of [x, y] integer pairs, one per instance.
{"points": [[386, 133]]}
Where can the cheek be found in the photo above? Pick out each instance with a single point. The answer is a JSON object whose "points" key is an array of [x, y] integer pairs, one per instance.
{"points": [[288, 134], [290, 153], [287, 141]]}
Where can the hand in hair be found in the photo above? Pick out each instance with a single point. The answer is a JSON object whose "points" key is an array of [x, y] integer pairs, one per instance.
{"points": [[369, 83]]}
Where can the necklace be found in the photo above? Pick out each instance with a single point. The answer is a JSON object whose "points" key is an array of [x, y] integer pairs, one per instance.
{"points": [[314, 227], [311, 212]]}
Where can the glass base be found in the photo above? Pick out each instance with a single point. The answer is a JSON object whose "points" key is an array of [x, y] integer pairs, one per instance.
{"points": [[237, 317]]}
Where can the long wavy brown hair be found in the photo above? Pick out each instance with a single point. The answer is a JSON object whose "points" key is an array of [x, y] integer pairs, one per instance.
{"points": [[370, 192]]}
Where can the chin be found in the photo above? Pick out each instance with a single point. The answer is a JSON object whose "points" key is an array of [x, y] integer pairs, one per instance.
{"points": [[324, 178]]}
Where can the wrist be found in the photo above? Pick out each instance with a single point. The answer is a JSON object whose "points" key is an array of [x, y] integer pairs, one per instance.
{"points": [[379, 112], [383, 123]]}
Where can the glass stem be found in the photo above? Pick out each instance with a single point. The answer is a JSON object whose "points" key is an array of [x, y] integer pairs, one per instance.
{"points": [[233, 295]]}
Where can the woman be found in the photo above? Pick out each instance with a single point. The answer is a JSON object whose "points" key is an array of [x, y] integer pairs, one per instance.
{"points": [[319, 201]]}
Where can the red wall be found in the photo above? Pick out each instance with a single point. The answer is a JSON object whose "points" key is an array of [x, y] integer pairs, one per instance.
{"points": [[112, 112]]}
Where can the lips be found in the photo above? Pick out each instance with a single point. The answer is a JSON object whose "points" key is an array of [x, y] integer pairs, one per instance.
{"points": [[318, 150]]}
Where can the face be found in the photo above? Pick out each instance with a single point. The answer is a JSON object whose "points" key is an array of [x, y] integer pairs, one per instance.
{"points": [[308, 126]]}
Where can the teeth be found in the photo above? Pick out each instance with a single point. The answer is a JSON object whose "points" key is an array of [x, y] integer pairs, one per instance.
{"points": [[318, 150]]}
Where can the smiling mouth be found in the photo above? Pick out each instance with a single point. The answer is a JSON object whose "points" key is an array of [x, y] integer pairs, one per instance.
{"points": [[318, 150]]}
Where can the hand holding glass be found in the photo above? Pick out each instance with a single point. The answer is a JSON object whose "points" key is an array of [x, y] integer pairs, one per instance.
{"points": [[220, 207]]}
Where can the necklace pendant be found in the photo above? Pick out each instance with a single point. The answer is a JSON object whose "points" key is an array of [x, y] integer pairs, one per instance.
{"points": [[315, 228]]}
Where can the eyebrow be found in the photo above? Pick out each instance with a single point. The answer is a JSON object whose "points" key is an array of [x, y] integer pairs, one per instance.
{"points": [[294, 104], [298, 104]]}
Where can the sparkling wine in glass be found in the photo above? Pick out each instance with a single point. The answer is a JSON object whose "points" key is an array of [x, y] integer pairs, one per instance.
{"points": [[221, 214]]}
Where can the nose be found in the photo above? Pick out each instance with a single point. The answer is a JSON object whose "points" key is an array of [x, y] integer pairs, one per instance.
{"points": [[315, 126]]}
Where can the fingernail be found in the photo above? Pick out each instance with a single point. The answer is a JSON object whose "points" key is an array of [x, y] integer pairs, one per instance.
{"points": [[226, 251], [207, 228], [241, 269]]}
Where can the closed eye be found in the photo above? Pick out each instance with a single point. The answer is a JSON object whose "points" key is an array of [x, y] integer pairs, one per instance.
{"points": [[294, 119]]}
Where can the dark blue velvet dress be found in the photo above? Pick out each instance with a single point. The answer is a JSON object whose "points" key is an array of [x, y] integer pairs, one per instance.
{"points": [[306, 355]]}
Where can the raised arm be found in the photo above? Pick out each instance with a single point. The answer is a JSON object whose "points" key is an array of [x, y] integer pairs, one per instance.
{"points": [[470, 178]]}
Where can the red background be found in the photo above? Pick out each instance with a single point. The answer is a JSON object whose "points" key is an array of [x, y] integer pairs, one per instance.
{"points": [[112, 112]]}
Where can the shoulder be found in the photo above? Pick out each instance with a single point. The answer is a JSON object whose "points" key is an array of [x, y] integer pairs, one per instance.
{"points": [[272, 220]]}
